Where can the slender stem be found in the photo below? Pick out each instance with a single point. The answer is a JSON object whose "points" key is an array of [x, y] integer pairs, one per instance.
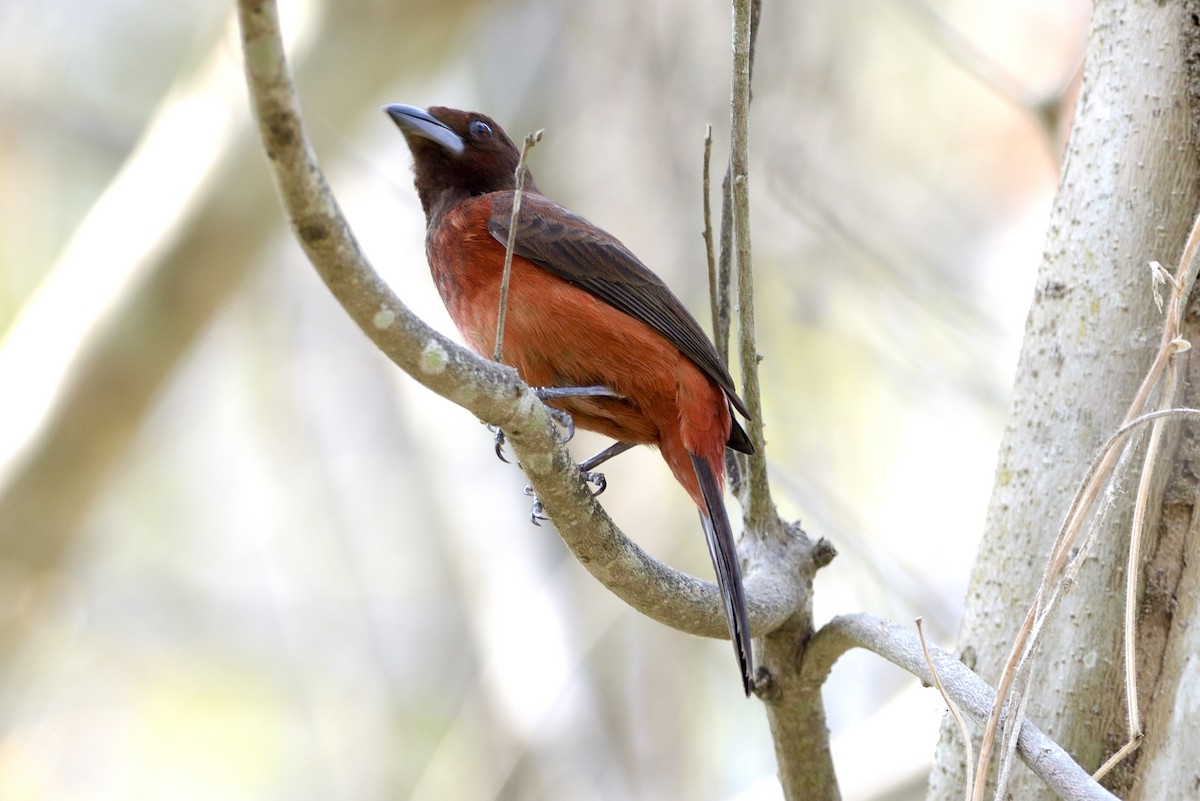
{"points": [[950, 705], [709, 253], [724, 267], [760, 510], [974, 697], [530, 140]]}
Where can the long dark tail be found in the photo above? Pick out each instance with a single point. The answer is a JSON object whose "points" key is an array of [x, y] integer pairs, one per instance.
{"points": [[725, 560]]}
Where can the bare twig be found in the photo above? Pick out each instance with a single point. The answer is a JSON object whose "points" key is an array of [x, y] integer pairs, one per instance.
{"points": [[709, 250], [1134, 562], [1134, 744], [795, 708], [725, 272], [1173, 342], [530, 140], [760, 509], [972, 694], [722, 323], [974, 61], [950, 705], [1043, 107]]}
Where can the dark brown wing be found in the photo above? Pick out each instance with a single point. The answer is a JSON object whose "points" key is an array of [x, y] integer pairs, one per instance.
{"points": [[572, 248]]}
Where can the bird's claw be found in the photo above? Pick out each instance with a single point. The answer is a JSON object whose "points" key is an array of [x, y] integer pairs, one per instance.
{"points": [[564, 421], [598, 480], [538, 513], [561, 418], [547, 394], [499, 436]]}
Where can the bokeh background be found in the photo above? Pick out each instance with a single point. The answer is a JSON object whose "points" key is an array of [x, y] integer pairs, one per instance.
{"points": [[244, 557]]}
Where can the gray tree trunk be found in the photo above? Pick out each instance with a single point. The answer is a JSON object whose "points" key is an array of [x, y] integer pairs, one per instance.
{"points": [[1128, 196]]}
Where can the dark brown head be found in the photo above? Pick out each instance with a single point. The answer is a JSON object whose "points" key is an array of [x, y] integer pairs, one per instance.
{"points": [[456, 155]]}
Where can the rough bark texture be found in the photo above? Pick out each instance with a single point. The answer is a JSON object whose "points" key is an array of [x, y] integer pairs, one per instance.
{"points": [[1127, 196], [793, 703]]}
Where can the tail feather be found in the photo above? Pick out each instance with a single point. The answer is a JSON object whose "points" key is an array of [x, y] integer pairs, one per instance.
{"points": [[723, 551]]}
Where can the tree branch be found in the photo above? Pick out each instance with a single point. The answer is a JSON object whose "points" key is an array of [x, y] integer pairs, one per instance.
{"points": [[491, 391], [91, 350], [761, 515], [974, 696]]}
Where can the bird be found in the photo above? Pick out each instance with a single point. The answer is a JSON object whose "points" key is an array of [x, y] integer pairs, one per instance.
{"points": [[582, 312]]}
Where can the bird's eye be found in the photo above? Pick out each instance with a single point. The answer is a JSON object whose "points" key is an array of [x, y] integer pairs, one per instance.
{"points": [[479, 130]]}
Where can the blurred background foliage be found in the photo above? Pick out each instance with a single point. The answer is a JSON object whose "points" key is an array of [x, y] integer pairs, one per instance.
{"points": [[243, 557]]}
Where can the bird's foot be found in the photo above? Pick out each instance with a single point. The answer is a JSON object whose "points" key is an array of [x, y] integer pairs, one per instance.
{"points": [[561, 418], [498, 434], [564, 422], [555, 393], [538, 513], [598, 479], [547, 394]]}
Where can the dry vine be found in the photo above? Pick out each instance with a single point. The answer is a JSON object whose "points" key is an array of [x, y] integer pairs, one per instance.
{"points": [[1068, 552]]}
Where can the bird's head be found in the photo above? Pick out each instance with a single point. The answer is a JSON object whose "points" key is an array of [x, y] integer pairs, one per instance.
{"points": [[456, 154]]}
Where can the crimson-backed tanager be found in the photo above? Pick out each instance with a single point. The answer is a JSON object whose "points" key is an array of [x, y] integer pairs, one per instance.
{"points": [[582, 311]]}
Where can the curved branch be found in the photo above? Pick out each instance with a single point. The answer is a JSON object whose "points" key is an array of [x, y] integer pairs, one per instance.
{"points": [[491, 391], [973, 695]]}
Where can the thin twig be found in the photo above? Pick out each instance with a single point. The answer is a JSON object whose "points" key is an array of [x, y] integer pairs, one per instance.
{"points": [[1116, 758], [965, 53], [530, 140], [899, 645], [1133, 566], [725, 269], [709, 253], [760, 512], [1045, 607], [1133, 572], [1043, 107], [1184, 279], [1012, 730], [1047, 598], [950, 705]]}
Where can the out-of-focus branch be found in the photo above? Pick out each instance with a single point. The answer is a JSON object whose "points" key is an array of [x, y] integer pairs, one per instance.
{"points": [[902, 647], [181, 271], [1044, 107], [491, 391]]}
